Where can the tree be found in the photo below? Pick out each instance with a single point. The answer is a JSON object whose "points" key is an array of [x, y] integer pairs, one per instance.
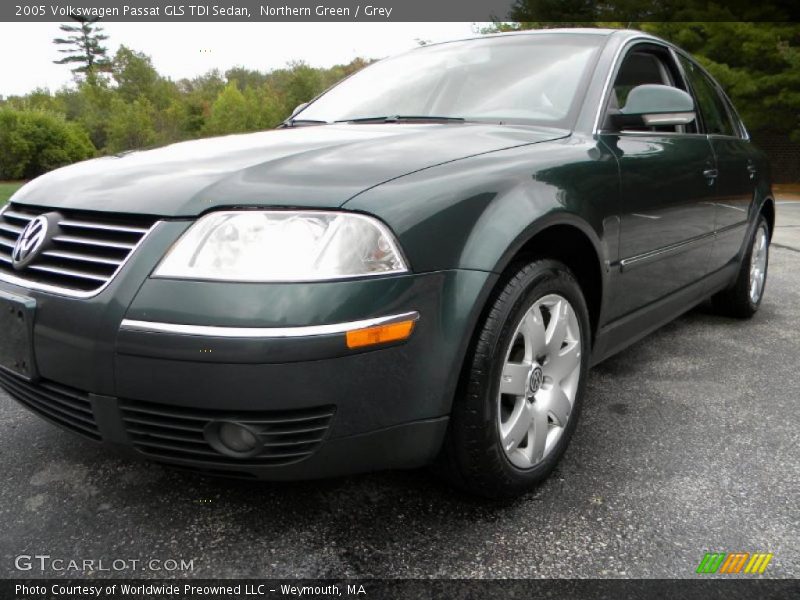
{"points": [[83, 47], [138, 107], [90, 106], [130, 125], [197, 97], [246, 78], [296, 84], [136, 77], [573, 13]]}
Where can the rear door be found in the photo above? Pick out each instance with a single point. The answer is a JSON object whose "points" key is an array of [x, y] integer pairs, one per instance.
{"points": [[736, 162], [668, 177]]}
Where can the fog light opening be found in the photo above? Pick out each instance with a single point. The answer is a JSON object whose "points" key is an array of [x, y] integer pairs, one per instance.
{"points": [[233, 439]]}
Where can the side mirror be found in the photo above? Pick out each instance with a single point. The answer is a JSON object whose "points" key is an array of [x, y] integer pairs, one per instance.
{"points": [[652, 104], [299, 107]]}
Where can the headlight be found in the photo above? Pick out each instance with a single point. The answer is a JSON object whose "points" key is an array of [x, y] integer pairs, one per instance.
{"points": [[250, 245]]}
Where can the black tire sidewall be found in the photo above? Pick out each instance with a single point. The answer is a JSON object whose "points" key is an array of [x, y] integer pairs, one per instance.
{"points": [[735, 301], [529, 283]]}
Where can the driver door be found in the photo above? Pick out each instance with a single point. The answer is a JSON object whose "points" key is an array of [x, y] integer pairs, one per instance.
{"points": [[667, 178]]}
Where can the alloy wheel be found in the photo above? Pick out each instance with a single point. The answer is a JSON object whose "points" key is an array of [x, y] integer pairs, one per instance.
{"points": [[758, 264], [539, 381]]}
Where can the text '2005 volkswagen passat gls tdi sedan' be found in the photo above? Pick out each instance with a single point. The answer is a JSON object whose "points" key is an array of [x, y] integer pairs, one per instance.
{"points": [[419, 266]]}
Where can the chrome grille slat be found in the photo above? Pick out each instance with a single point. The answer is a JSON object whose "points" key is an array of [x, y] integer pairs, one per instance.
{"points": [[12, 214], [69, 272], [102, 226], [68, 239], [80, 257], [86, 252], [13, 229]]}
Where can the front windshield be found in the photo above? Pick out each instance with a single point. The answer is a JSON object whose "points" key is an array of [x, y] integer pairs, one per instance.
{"points": [[531, 79]]}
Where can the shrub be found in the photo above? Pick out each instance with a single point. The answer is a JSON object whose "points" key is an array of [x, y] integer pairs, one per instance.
{"points": [[33, 142]]}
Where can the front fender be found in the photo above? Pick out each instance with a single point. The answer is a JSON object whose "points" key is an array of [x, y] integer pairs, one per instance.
{"points": [[476, 213]]}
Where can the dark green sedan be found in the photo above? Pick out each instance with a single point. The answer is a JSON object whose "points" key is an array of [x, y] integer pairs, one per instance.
{"points": [[418, 267]]}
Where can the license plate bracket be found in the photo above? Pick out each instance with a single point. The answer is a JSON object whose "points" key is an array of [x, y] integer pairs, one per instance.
{"points": [[16, 334]]}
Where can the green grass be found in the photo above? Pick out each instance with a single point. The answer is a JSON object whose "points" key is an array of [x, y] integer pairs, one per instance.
{"points": [[7, 188]]}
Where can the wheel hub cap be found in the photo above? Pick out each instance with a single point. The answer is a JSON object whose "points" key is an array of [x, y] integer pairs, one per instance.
{"points": [[535, 380]]}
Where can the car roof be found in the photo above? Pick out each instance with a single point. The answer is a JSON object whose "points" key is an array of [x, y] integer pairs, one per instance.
{"points": [[622, 34]]}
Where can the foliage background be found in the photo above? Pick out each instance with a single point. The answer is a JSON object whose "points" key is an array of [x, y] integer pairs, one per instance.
{"points": [[133, 106], [129, 105]]}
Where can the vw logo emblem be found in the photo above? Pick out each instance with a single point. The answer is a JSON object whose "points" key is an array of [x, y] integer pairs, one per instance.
{"points": [[536, 380], [29, 242]]}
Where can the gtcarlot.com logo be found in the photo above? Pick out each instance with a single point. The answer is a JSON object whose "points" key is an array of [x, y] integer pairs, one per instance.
{"points": [[732, 563], [46, 563]]}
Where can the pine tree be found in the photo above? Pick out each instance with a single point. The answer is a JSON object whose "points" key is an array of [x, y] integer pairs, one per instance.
{"points": [[83, 48]]}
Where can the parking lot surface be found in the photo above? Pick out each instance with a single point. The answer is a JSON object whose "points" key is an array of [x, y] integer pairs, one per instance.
{"points": [[689, 442]]}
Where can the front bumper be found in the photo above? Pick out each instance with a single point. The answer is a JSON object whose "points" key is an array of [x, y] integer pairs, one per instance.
{"points": [[300, 441], [325, 409]]}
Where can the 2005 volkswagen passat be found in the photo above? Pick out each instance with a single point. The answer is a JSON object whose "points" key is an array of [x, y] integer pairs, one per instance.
{"points": [[419, 266]]}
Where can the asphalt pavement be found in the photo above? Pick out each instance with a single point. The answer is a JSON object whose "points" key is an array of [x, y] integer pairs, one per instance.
{"points": [[689, 442]]}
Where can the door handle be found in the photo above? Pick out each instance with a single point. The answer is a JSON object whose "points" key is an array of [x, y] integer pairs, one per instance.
{"points": [[711, 175], [751, 168]]}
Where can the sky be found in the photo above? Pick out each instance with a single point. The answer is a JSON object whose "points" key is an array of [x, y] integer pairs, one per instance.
{"points": [[187, 49]]}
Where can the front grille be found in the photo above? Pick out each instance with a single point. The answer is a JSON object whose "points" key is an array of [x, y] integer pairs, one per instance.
{"points": [[175, 432], [84, 252], [59, 404]]}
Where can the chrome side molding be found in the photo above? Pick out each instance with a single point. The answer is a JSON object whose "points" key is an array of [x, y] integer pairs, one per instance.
{"points": [[263, 332]]}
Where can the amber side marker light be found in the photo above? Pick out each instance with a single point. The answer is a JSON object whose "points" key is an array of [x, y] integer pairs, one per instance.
{"points": [[381, 334]]}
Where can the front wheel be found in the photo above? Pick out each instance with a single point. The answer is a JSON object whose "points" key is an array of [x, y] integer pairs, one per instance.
{"points": [[743, 298], [523, 385]]}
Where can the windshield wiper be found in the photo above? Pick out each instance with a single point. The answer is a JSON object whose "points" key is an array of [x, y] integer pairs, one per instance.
{"points": [[296, 122], [404, 119]]}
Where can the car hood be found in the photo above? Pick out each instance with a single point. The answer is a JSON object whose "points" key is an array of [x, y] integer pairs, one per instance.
{"points": [[316, 167]]}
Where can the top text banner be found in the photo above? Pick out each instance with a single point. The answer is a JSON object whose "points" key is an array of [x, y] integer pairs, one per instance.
{"points": [[257, 10], [403, 10]]}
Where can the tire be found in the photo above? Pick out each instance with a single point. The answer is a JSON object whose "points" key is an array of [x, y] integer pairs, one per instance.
{"points": [[743, 298], [488, 450]]}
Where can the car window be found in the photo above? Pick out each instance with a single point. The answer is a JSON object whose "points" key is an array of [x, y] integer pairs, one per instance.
{"points": [[739, 129], [710, 103], [534, 79], [640, 67]]}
